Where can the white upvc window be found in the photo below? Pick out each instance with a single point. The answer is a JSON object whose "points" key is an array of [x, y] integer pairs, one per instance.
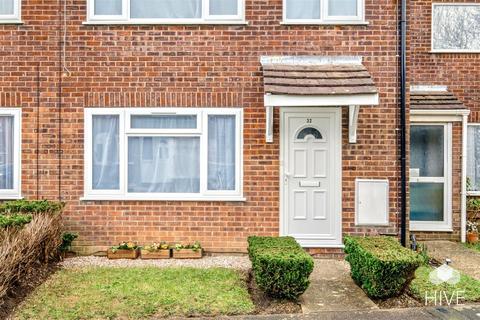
{"points": [[10, 153], [186, 154], [430, 177], [166, 11], [10, 11], [324, 12], [473, 159], [456, 27]]}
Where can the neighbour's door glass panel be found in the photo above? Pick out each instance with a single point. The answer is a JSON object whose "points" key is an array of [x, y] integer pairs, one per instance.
{"points": [[426, 201], [427, 150]]}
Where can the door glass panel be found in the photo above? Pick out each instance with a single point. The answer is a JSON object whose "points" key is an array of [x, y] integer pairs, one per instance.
{"points": [[305, 132], [427, 150], [426, 201]]}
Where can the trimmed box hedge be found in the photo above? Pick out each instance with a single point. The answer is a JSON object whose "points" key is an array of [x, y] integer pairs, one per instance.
{"points": [[280, 266], [380, 265]]}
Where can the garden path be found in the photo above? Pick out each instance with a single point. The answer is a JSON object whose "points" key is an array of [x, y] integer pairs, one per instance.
{"points": [[332, 289], [463, 259]]}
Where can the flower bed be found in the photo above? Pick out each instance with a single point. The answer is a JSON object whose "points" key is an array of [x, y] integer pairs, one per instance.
{"points": [[30, 233]]}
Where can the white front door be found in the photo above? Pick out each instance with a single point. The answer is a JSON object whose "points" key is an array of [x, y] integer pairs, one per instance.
{"points": [[311, 167]]}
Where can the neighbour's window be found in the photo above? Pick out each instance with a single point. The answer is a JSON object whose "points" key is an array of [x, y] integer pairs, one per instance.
{"points": [[10, 132], [163, 153], [166, 11], [473, 158], [9, 11], [456, 27], [323, 11]]}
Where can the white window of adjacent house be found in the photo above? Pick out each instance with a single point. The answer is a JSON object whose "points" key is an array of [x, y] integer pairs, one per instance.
{"points": [[10, 11], [456, 27], [430, 177], [323, 11], [473, 159], [166, 11], [163, 154], [10, 135]]}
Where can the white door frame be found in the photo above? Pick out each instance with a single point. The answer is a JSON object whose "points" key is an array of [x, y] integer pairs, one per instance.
{"points": [[337, 172]]}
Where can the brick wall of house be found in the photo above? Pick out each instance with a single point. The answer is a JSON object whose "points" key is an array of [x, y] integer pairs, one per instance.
{"points": [[459, 71], [186, 66]]}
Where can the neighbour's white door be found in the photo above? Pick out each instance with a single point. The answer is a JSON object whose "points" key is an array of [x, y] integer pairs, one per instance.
{"points": [[311, 176]]}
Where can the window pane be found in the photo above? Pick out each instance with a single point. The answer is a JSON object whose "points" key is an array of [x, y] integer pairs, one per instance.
{"points": [[426, 147], [223, 7], [426, 201], [164, 164], [221, 152], [106, 154], [456, 27], [167, 9], [164, 122], [6, 7], [6, 152], [303, 9], [473, 158], [342, 7], [108, 7]]}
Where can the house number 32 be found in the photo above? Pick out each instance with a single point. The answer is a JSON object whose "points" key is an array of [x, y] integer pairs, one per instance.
{"points": [[309, 120]]}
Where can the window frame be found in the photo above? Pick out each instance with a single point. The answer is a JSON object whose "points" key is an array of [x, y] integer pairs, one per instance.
{"points": [[432, 48], [326, 19], [446, 223], [15, 17], [125, 18], [202, 132], [472, 192], [15, 193]]}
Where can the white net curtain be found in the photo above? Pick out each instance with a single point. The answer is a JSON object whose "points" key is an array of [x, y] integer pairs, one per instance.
{"points": [[6, 152]]}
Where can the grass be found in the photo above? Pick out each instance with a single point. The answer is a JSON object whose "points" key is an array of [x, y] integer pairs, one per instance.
{"points": [[137, 293], [473, 246], [421, 285]]}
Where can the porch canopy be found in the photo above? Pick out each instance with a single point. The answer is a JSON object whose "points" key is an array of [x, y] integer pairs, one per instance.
{"points": [[316, 81]]}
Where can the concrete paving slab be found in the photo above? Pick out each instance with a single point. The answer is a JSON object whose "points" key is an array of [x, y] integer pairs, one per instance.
{"points": [[332, 289], [463, 259]]}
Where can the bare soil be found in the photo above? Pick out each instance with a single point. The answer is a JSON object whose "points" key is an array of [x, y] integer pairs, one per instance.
{"points": [[22, 289], [402, 301]]}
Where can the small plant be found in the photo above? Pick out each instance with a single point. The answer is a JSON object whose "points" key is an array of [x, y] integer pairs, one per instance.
{"points": [[124, 246], [156, 246], [196, 246], [422, 251], [472, 227], [67, 239]]}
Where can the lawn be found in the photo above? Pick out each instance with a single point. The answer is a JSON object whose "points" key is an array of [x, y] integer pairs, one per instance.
{"points": [[422, 284], [473, 246], [137, 293]]}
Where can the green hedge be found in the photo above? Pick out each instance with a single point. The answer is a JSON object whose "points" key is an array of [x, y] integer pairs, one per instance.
{"points": [[380, 265], [20, 212], [280, 266], [26, 206]]}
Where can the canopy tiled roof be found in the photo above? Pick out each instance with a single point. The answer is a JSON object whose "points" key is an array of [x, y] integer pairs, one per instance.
{"points": [[324, 79], [434, 100]]}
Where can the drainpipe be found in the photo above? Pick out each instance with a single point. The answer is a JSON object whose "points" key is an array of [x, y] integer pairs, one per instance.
{"points": [[464, 179], [403, 123]]}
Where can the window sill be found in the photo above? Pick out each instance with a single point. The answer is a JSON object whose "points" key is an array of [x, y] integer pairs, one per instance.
{"points": [[455, 51], [432, 228], [12, 22], [325, 23], [11, 197], [165, 198], [119, 23]]}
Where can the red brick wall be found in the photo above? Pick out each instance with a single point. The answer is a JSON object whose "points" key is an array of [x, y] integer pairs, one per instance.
{"points": [[459, 71], [188, 66]]}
